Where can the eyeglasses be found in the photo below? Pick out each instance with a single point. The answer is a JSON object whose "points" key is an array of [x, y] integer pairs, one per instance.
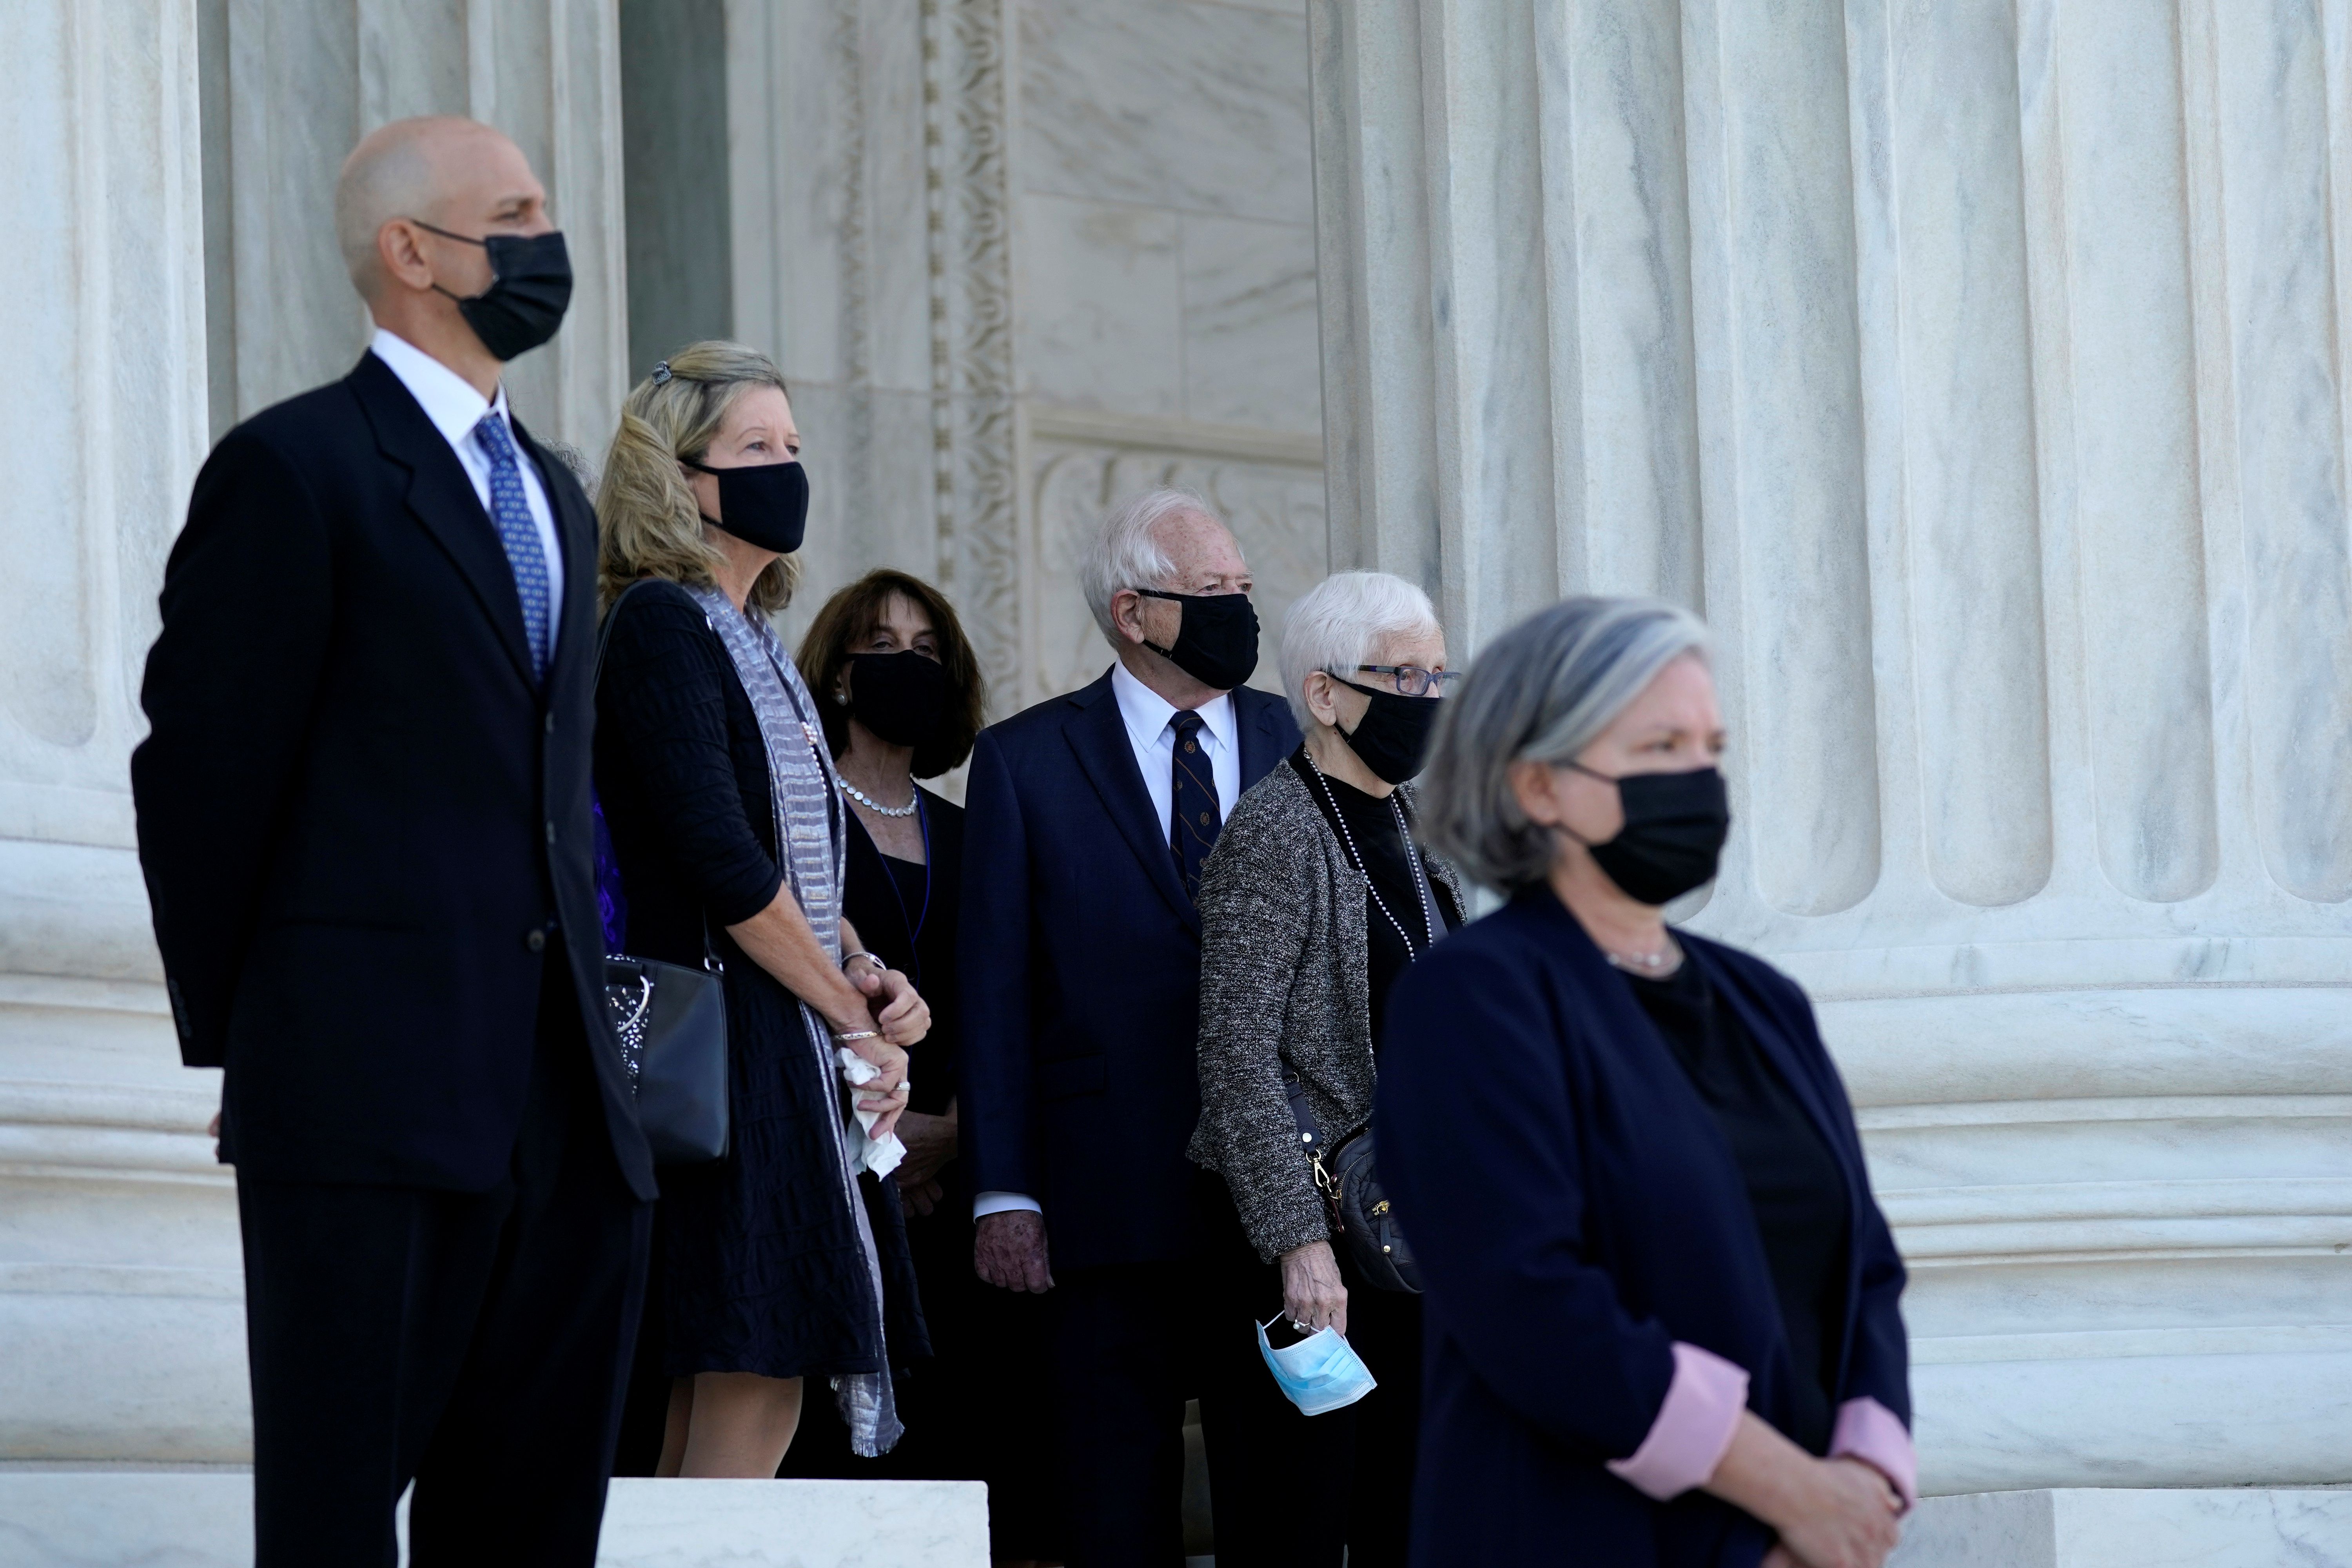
{"points": [[1411, 681]]}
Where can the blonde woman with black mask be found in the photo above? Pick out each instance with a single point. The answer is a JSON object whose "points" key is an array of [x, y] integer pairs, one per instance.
{"points": [[786, 1260]]}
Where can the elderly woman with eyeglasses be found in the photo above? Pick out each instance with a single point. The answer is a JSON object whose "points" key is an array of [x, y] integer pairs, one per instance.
{"points": [[1317, 896]]}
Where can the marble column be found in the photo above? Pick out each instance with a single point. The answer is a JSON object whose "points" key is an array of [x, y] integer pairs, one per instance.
{"points": [[1978, 368], [118, 1283], [291, 88]]}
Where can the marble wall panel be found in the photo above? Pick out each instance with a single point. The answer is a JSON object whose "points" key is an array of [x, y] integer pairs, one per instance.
{"points": [[1099, 286], [1165, 102], [1249, 326], [2289, 431], [1791, 453], [789, 138]]}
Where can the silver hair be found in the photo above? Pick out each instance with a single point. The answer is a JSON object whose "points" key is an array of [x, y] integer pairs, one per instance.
{"points": [[1127, 553], [1336, 625], [1541, 692]]}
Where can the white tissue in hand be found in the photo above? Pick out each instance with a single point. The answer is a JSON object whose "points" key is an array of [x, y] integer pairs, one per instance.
{"points": [[880, 1155]]}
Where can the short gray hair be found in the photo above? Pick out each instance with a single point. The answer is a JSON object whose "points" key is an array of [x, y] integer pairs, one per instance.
{"points": [[1541, 692], [1127, 553], [1335, 625]]}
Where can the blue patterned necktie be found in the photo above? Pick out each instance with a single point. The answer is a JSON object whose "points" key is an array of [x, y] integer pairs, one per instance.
{"points": [[1192, 802], [511, 512]]}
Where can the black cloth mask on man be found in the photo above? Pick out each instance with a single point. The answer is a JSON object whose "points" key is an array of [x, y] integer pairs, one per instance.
{"points": [[531, 288], [1216, 643]]}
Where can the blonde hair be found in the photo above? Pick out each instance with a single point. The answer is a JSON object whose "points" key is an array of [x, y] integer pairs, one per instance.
{"points": [[648, 521]]}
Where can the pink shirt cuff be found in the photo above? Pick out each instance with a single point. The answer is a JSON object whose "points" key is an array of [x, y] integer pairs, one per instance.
{"points": [[1694, 1427], [1868, 1431]]}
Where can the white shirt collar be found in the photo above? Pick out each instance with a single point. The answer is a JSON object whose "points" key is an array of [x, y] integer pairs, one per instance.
{"points": [[447, 398], [1147, 713]]}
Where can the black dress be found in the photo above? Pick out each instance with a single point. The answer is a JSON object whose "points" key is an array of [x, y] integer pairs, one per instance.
{"points": [[976, 1409], [1384, 1326], [758, 1265]]}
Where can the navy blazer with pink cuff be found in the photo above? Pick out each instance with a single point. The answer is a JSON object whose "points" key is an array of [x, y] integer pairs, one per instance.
{"points": [[1575, 1212]]}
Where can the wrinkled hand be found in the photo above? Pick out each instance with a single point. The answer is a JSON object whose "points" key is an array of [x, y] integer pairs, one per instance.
{"points": [[1008, 1250], [1852, 1519], [1312, 1296], [930, 1143], [904, 1017]]}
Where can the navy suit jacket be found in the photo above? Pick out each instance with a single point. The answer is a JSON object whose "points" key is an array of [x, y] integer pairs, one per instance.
{"points": [[361, 814], [1575, 1211], [1080, 960]]}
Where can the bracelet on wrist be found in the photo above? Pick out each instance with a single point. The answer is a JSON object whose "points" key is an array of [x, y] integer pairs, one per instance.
{"points": [[857, 1035], [873, 958]]}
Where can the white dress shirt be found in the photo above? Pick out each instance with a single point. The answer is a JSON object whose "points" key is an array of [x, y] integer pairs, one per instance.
{"points": [[453, 406], [1150, 719]]}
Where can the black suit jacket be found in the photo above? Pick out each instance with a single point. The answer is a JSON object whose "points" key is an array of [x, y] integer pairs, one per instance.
{"points": [[359, 816], [1080, 963]]}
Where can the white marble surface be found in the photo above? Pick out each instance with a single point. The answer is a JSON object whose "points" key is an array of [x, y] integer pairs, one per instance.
{"points": [[1101, 304], [1166, 103], [149, 1520], [1978, 371], [1249, 324], [2245, 1528]]}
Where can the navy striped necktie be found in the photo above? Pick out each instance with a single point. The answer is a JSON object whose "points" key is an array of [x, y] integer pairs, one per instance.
{"points": [[1192, 802]]}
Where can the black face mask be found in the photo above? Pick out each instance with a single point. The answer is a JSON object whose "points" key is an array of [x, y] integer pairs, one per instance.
{"points": [[1216, 644], [1674, 827], [530, 286], [1392, 737], [901, 696], [762, 504]]}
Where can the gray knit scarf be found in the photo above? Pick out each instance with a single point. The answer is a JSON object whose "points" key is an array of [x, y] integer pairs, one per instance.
{"points": [[812, 839]]}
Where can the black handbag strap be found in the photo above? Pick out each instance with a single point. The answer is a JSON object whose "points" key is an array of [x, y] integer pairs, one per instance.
{"points": [[711, 960]]}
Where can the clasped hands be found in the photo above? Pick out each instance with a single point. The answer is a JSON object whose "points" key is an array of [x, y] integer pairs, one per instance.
{"points": [[903, 1019], [1831, 1513]]}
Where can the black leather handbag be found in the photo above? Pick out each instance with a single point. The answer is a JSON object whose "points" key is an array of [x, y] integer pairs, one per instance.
{"points": [[1361, 1215], [672, 1025]]}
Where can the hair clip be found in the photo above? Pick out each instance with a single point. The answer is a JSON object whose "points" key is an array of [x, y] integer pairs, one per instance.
{"points": [[661, 373]]}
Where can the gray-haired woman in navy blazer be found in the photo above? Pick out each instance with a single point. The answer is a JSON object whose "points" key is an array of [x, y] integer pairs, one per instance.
{"points": [[1662, 1303]]}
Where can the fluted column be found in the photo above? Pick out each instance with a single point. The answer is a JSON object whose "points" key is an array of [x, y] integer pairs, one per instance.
{"points": [[119, 1285], [1978, 368]]}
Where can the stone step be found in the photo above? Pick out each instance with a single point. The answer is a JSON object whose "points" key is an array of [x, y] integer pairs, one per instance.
{"points": [[150, 1519]]}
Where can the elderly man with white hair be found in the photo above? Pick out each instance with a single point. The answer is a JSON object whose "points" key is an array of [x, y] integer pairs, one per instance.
{"points": [[1088, 819], [1318, 898], [363, 817]]}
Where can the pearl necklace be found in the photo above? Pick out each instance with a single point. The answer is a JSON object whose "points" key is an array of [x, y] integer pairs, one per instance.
{"points": [[1420, 882], [876, 806]]}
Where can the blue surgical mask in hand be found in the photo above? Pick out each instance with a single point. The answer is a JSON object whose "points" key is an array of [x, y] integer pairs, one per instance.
{"points": [[1320, 1372]]}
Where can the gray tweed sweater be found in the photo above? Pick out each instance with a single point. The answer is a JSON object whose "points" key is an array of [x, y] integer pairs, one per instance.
{"points": [[1284, 959]]}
